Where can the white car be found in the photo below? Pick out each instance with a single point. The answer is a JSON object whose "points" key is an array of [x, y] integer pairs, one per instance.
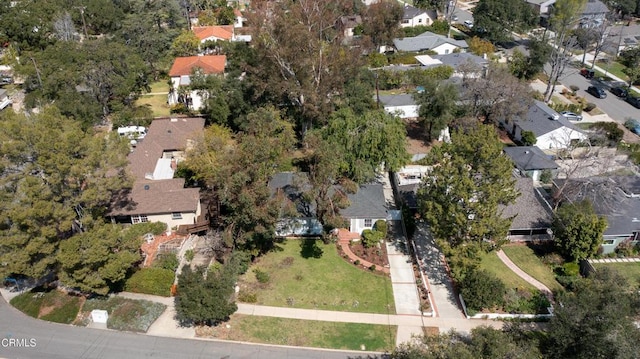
{"points": [[571, 116], [468, 23]]}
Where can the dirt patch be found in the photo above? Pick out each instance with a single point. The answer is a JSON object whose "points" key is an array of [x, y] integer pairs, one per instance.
{"points": [[416, 143], [376, 255]]}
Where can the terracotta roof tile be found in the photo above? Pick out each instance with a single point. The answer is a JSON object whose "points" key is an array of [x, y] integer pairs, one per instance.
{"points": [[224, 32], [212, 64]]}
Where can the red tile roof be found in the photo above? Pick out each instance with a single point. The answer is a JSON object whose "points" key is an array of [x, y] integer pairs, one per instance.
{"points": [[224, 32], [212, 64]]}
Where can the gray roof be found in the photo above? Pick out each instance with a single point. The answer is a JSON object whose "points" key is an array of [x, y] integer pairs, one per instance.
{"points": [[529, 210], [425, 41], [529, 158], [410, 12], [540, 120], [595, 7], [403, 99], [293, 185], [537, 2], [457, 59], [611, 197], [368, 202], [409, 194]]}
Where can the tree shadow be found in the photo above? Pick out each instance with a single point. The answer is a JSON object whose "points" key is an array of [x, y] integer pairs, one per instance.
{"points": [[309, 248]]}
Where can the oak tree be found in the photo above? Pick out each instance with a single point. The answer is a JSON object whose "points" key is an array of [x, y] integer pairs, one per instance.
{"points": [[578, 230]]}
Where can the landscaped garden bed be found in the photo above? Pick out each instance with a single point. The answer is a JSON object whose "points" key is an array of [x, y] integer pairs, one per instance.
{"points": [[295, 332], [124, 314], [307, 273]]}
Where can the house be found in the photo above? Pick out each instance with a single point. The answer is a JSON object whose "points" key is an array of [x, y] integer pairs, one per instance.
{"points": [[180, 74], [5, 101], [407, 182], [239, 19], [463, 64], [402, 105], [156, 195], [615, 197], [594, 13], [367, 206], [413, 16], [531, 161], [214, 33], [531, 213], [347, 24], [429, 41], [552, 131], [297, 216], [541, 7]]}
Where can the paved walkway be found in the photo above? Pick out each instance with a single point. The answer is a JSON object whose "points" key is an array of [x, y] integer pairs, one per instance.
{"points": [[520, 273], [444, 297], [344, 244], [615, 260]]}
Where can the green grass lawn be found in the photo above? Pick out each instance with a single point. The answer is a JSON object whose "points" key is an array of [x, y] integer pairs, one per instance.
{"points": [[614, 68], [53, 306], [315, 276], [526, 259], [492, 264], [295, 332], [631, 271], [157, 103], [160, 86]]}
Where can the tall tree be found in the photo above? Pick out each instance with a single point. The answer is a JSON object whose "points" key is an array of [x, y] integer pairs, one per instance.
{"points": [[469, 181], [437, 107], [565, 15], [631, 59], [578, 230], [186, 44], [499, 18], [54, 177], [381, 22]]}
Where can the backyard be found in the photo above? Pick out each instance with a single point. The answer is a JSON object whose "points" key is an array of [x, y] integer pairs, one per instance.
{"points": [[526, 259], [306, 273], [631, 271], [295, 332], [156, 99]]}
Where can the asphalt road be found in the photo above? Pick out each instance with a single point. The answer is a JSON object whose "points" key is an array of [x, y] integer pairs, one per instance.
{"points": [[615, 107], [25, 337]]}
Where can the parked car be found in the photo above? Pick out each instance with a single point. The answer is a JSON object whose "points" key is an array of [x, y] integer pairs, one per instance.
{"points": [[633, 126], [454, 18], [571, 116], [597, 92], [619, 91], [468, 23], [587, 73], [633, 101], [6, 80]]}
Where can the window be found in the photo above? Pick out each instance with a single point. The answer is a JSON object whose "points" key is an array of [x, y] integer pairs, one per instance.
{"points": [[420, 21], [368, 222], [608, 241], [446, 51], [139, 219], [176, 215]]}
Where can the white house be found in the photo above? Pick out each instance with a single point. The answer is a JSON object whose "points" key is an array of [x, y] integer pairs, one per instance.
{"points": [[442, 45], [417, 17], [180, 74], [403, 105], [367, 206], [552, 131], [457, 61]]}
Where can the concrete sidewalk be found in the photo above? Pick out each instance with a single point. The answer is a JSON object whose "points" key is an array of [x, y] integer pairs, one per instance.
{"points": [[589, 62]]}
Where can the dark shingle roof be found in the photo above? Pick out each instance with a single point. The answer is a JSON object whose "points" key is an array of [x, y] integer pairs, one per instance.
{"points": [[403, 99], [540, 120], [157, 197], [529, 158], [410, 12], [456, 59], [368, 202], [425, 41], [529, 210]]}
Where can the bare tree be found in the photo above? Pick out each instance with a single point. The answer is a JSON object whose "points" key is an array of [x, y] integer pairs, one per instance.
{"points": [[64, 28]]}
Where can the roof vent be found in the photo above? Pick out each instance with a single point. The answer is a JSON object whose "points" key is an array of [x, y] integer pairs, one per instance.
{"points": [[146, 187], [526, 152]]}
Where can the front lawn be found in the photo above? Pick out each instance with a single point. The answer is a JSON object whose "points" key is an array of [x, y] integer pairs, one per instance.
{"points": [[53, 306], [306, 273], [492, 264], [526, 259], [156, 281], [295, 332], [630, 270]]}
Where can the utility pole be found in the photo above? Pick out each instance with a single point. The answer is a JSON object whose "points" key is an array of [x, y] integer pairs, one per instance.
{"points": [[377, 92], [37, 72]]}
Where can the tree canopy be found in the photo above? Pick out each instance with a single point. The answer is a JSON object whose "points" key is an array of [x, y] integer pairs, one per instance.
{"points": [[497, 19], [578, 230], [469, 180]]}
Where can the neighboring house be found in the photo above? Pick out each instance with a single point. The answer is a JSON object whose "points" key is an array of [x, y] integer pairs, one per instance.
{"points": [[552, 131], [239, 20], [531, 213], [5, 101], [417, 17], [617, 198], [407, 182], [402, 105], [214, 33], [367, 206], [180, 74], [594, 13], [458, 61], [298, 217], [347, 24], [156, 195], [541, 7], [442, 45], [531, 161]]}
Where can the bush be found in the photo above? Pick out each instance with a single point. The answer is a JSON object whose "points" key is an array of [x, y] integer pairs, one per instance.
{"points": [[571, 107], [590, 106], [574, 88], [525, 302], [612, 132], [481, 289], [381, 226], [135, 315], [377, 60], [189, 255], [156, 281], [552, 259], [372, 267], [246, 296], [626, 249], [528, 138], [240, 260], [546, 176], [261, 276], [371, 237], [571, 269], [357, 262], [167, 261]]}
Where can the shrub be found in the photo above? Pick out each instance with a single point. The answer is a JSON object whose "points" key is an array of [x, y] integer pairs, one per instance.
{"points": [[214, 267], [156, 281], [481, 289], [574, 88], [610, 130], [528, 138], [246, 296], [371, 237], [167, 261], [571, 269], [546, 176], [590, 106], [381, 226], [571, 107], [240, 260], [626, 249], [377, 60], [372, 267], [261, 276], [552, 259], [135, 315], [357, 262], [189, 255]]}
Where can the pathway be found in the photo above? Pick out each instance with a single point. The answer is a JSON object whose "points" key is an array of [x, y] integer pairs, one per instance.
{"points": [[615, 260], [444, 298], [520, 273]]}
